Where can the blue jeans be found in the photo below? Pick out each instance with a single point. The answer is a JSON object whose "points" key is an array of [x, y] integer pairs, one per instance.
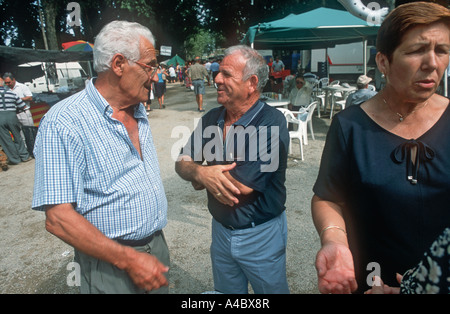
{"points": [[256, 255]]}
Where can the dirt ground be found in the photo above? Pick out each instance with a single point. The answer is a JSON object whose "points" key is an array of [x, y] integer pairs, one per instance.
{"points": [[34, 261]]}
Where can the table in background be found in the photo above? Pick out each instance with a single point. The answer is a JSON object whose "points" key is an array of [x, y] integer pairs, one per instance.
{"points": [[277, 102], [331, 90]]}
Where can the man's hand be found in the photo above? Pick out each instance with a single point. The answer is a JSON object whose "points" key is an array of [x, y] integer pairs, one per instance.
{"points": [[213, 178], [216, 179], [335, 270], [197, 186], [146, 271]]}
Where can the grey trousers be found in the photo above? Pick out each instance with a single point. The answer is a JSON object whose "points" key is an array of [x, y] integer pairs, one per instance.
{"points": [[15, 148], [101, 277]]}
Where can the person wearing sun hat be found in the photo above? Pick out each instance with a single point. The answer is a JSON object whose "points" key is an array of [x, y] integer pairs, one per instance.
{"points": [[362, 94]]}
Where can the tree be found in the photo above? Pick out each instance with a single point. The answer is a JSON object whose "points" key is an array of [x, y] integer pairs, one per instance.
{"points": [[201, 43], [20, 23], [50, 9]]}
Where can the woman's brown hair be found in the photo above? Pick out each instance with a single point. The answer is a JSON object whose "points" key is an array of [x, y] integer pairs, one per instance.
{"points": [[405, 17]]}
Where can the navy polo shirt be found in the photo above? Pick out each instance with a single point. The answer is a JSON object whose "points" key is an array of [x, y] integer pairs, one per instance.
{"points": [[258, 143]]}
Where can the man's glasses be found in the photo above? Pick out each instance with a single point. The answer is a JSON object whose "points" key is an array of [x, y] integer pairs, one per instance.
{"points": [[147, 68], [300, 82]]}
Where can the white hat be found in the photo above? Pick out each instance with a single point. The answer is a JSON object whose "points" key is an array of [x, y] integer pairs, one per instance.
{"points": [[363, 80]]}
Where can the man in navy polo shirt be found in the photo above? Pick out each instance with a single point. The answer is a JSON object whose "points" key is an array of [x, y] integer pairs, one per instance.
{"points": [[245, 144]]}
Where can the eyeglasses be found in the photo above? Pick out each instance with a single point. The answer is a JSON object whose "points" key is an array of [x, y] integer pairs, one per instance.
{"points": [[145, 67], [148, 68], [300, 82]]}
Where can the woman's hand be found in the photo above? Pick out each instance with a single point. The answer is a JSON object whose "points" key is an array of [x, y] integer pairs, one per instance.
{"points": [[335, 270], [381, 288]]}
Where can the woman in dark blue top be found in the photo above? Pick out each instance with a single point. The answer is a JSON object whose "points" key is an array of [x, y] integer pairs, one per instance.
{"points": [[383, 190]]}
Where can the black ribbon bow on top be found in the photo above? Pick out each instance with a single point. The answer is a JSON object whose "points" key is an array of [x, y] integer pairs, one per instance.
{"points": [[405, 152]]}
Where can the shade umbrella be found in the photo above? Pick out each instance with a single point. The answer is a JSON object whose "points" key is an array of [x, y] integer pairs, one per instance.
{"points": [[176, 59], [316, 29], [78, 45]]}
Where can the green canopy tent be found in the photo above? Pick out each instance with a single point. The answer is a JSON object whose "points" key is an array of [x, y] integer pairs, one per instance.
{"points": [[174, 61], [316, 29]]}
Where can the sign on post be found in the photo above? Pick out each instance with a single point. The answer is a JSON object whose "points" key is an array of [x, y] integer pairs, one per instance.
{"points": [[165, 51]]}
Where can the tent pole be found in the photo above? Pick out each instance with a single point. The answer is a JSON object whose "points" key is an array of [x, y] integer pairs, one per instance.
{"points": [[44, 67], [365, 56]]}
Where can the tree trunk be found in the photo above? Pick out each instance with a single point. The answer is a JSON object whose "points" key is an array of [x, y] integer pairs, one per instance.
{"points": [[49, 7]]}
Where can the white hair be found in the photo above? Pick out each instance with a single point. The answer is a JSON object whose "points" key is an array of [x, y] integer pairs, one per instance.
{"points": [[119, 37], [255, 65]]}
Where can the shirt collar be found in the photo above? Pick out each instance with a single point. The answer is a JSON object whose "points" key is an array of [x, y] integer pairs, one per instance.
{"points": [[246, 118], [104, 107], [97, 99]]}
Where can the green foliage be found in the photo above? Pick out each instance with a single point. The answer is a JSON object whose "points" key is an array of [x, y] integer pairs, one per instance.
{"points": [[201, 43], [189, 26], [13, 17], [141, 7]]}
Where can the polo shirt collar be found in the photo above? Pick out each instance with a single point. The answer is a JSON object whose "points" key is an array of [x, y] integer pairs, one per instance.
{"points": [[246, 118]]}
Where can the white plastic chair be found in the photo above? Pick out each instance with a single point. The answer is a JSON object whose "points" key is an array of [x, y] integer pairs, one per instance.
{"points": [[320, 102], [284, 111], [340, 102], [336, 82], [308, 121], [324, 82], [297, 134], [323, 96]]}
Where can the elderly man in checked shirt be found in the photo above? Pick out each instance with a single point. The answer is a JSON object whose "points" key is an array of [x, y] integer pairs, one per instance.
{"points": [[97, 176]]}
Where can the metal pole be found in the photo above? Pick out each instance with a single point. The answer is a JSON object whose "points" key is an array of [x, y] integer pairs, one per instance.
{"points": [[365, 56]]}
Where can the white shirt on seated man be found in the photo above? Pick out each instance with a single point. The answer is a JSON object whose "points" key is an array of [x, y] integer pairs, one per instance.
{"points": [[300, 96]]}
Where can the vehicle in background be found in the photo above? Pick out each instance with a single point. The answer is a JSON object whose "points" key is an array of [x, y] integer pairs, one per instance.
{"points": [[58, 78], [345, 61]]}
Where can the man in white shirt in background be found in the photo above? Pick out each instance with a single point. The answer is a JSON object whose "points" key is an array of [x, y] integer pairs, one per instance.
{"points": [[172, 74], [300, 96], [25, 94]]}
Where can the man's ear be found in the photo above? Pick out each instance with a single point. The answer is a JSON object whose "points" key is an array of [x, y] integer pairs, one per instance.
{"points": [[117, 64], [253, 82]]}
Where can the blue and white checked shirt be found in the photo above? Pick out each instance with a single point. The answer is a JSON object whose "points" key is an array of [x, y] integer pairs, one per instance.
{"points": [[85, 157]]}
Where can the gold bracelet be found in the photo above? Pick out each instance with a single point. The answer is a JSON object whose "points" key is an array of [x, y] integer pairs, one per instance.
{"points": [[332, 227]]}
